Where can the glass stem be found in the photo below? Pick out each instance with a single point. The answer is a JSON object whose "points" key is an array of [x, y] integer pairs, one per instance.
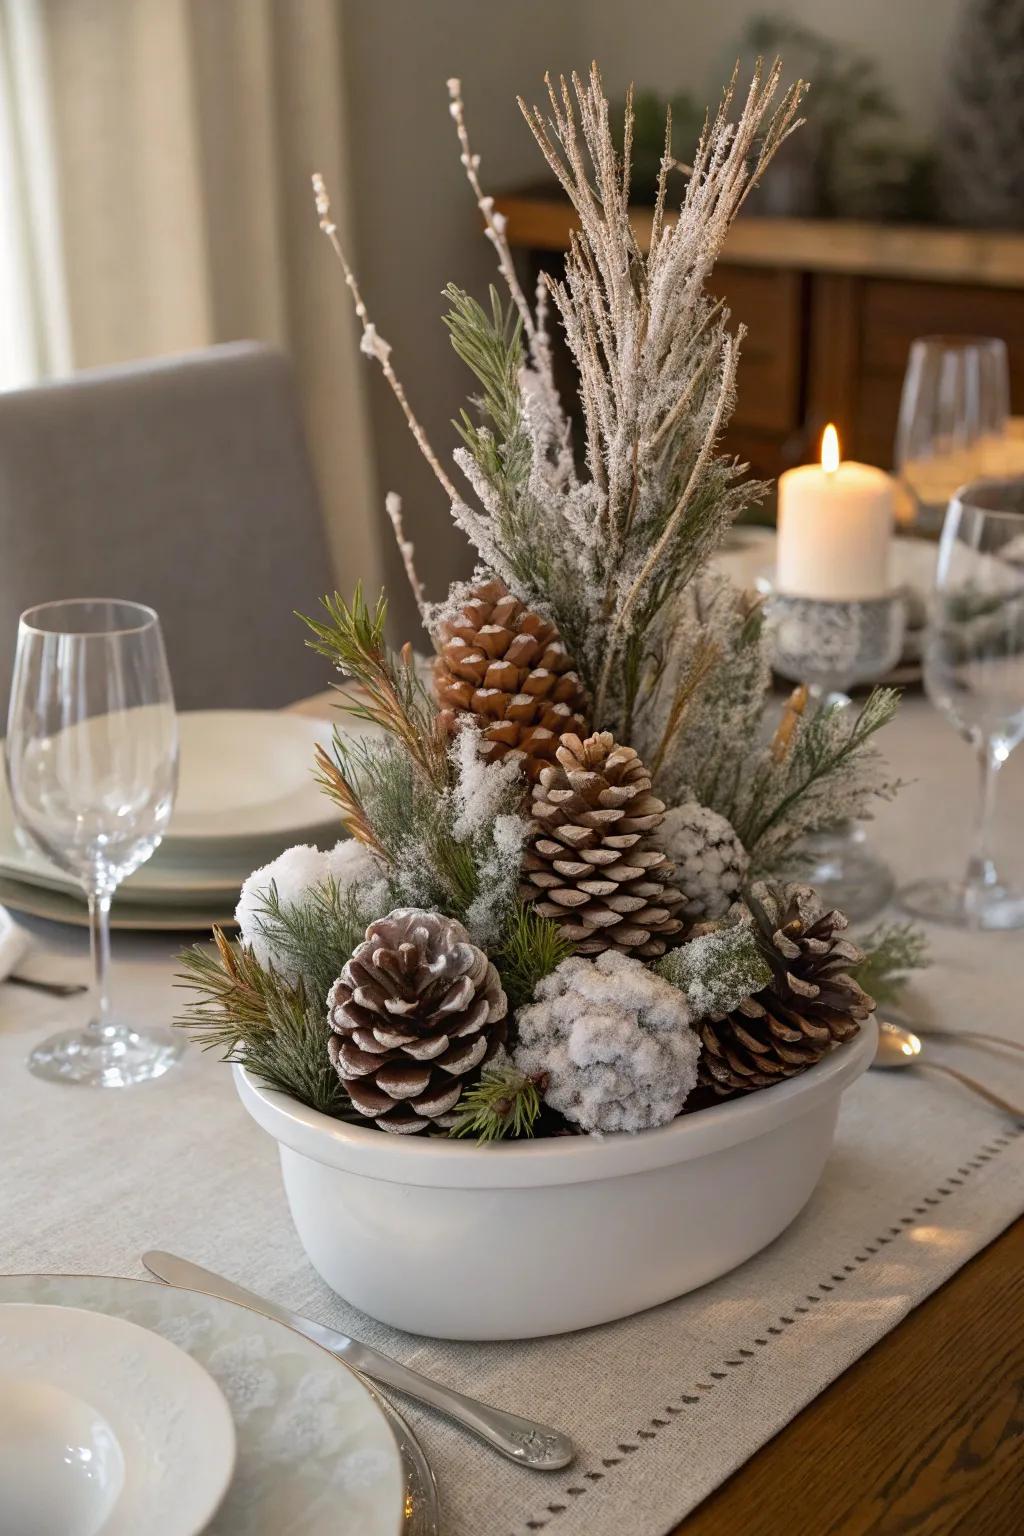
{"points": [[982, 875], [99, 948]]}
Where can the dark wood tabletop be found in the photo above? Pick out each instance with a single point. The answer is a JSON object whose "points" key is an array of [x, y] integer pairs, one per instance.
{"points": [[923, 1436]]}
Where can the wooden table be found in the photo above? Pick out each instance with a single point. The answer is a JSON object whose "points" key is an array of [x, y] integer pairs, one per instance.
{"points": [[924, 1434]]}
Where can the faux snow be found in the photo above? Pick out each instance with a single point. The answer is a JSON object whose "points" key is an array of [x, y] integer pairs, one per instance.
{"points": [[615, 1042], [294, 873]]}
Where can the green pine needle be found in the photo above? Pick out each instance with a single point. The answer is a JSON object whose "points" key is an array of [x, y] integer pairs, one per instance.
{"points": [[273, 1029], [532, 949], [892, 951], [502, 1103]]}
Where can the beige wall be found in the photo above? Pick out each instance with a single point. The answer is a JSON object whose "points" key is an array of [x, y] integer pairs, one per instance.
{"points": [[416, 223]]}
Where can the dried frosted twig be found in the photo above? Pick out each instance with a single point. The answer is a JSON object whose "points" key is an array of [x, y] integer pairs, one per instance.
{"points": [[393, 507], [372, 343]]}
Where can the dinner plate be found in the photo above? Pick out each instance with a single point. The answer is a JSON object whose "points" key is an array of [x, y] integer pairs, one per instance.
{"points": [[316, 1455], [247, 775], [133, 917], [107, 1427], [263, 758]]}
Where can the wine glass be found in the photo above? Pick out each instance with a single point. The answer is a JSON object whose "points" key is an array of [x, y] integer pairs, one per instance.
{"points": [[954, 409], [92, 764], [974, 673]]}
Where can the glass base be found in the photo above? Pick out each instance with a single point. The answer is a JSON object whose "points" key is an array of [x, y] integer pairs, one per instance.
{"points": [[846, 875], [116, 1059], [951, 901]]}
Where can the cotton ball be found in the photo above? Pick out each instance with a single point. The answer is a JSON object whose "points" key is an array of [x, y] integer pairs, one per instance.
{"points": [[710, 861], [614, 1042], [294, 873]]}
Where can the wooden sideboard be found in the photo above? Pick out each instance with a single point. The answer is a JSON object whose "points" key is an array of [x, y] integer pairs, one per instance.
{"points": [[831, 309]]}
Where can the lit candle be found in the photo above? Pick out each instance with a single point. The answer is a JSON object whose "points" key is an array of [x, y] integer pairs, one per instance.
{"points": [[835, 528]]}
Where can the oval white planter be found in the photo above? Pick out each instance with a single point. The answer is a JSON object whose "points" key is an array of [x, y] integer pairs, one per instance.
{"points": [[514, 1241]]}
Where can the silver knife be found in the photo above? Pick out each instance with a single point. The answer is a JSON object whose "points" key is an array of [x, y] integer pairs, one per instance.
{"points": [[522, 1440]]}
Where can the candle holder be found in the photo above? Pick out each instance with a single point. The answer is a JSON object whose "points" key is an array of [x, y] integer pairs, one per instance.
{"points": [[831, 646]]}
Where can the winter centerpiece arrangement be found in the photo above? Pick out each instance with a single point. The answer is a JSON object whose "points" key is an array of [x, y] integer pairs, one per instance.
{"points": [[558, 908]]}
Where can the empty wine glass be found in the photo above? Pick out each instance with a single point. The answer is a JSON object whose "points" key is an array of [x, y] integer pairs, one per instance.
{"points": [[954, 408], [974, 673], [92, 764]]}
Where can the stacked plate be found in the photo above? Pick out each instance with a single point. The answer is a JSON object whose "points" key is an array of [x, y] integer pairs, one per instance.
{"points": [[130, 1408], [246, 792]]}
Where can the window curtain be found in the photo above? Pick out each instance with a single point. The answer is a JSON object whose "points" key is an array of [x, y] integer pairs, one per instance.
{"points": [[173, 159]]}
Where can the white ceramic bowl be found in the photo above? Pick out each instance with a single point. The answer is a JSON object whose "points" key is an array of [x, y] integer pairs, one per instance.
{"points": [[514, 1241]]}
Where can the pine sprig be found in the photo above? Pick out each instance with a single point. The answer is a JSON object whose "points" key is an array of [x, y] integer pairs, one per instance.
{"points": [[394, 698], [503, 1102], [828, 749], [315, 936], [891, 952], [491, 347], [531, 949], [273, 1029]]}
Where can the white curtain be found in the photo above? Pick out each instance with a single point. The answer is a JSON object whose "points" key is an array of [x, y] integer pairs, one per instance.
{"points": [[158, 154]]}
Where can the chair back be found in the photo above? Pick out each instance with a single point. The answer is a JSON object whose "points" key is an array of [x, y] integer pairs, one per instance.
{"points": [[185, 484]]}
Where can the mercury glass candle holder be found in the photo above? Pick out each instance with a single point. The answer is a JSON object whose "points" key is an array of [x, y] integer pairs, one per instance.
{"points": [[833, 646]]}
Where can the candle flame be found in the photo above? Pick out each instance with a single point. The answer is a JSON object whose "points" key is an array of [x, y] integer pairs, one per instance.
{"points": [[830, 449]]}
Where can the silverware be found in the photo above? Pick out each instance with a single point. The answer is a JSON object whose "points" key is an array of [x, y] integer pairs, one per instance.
{"points": [[899, 1047], [522, 1440], [53, 988]]}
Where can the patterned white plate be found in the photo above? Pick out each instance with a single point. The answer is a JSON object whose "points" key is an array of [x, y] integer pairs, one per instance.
{"points": [[316, 1456], [124, 1431]]}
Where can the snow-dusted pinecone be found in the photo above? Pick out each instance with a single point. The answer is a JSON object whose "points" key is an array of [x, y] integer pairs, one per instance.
{"points": [[591, 863], [810, 1004], [505, 666], [710, 861], [416, 1012], [612, 1042]]}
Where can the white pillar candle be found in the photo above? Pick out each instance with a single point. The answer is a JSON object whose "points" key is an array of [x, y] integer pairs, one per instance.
{"points": [[835, 528]]}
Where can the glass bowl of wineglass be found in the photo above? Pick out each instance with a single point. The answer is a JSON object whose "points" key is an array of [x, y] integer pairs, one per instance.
{"points": [[974, 674]]}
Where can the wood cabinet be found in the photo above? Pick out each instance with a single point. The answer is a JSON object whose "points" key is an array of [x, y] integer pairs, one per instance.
{"points": [[831, 310]]}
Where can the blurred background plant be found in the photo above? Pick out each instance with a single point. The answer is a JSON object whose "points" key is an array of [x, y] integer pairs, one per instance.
{"points": [[855, 157]]}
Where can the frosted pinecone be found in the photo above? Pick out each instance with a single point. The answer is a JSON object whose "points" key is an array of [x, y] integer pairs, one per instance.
{"points": [[710, 861], [613, 1042]]}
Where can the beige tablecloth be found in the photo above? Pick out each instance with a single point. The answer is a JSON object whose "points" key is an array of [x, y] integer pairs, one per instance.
{"points": [[665, 1405]]}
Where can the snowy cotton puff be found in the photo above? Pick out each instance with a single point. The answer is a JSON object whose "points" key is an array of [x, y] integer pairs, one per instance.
{"points": [[710, 861], [614, 1041], [294, 874]]}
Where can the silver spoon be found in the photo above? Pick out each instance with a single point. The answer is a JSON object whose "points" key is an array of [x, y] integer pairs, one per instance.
{"points": [[899, 1047]]}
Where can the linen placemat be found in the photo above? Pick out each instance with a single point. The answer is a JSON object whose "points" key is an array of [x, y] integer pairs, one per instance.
{"points": [[665, 1405]]}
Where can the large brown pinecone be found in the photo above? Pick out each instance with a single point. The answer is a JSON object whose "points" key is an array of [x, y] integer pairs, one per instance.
{"points": [[505, 666], [590, 863], [810, 1004], [416, 1012]]}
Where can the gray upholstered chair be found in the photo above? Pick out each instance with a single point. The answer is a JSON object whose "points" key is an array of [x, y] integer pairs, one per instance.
{"points": [[182, 483]]}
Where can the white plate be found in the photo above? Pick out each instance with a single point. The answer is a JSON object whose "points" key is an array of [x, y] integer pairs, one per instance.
{"points": [[150, 1434], [248, 774], [316, 1456], [137, 917], [246, 793]]}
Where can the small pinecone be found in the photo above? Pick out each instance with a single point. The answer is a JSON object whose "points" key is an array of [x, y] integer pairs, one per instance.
{"points": [[505, 666], [810, 1005], [416, 1012], [590, 863], [710, 861]]}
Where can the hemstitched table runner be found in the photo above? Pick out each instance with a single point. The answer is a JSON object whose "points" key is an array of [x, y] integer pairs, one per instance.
{"points": [[664, 1406]]}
